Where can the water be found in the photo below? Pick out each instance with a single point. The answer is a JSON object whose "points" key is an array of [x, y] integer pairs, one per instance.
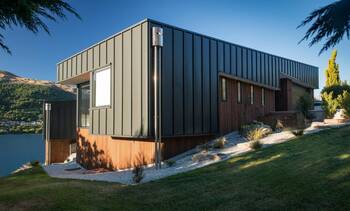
{"points": [[16, 150]]}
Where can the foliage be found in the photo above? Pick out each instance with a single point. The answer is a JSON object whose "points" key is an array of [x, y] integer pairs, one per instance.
{"points": [[30, 14], [345, 102], [220, 143], [279, 125], [170, 162], [304, 104], [245, 129], [330, 104], [330, 22], [23, 103], [336, 89], [332, 71], [309, 173], [298, 132], [138, 174], [255, 145], [256, 134]]}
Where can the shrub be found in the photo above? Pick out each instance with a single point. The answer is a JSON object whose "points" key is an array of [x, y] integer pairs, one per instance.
{"points": [[336, 89], [345, 102], [220, 143], [279, 125], [35, 163], [202, 156], [298, 132], [304, 104], [330, 104], [170, 162], [255, 145], [138, 174], [256, 134], [204, 147]]}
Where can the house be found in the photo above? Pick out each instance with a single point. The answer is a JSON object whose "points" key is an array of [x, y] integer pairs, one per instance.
{"points": [[204, 87]]}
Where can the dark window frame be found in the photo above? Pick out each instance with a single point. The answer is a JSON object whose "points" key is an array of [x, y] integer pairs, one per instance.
{"points": [[87, 122]]}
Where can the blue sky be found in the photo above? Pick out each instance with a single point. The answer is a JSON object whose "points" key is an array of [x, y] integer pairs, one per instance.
{"points": [[268, 25]]}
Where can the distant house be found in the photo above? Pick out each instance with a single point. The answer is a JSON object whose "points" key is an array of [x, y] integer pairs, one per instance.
{"points": [[207, 87]]}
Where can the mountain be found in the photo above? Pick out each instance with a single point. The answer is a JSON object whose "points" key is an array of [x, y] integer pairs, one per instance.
{"points": [[21, 101]]}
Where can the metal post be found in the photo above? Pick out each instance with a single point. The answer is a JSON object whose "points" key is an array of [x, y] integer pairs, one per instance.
{"points": [[157, 43], [47, 132]]}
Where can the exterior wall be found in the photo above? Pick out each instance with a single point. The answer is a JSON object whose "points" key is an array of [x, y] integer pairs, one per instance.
{"points": [[234, 114], [190, 71], [127, 53], [287, 97], [191, 64], [59, 150], [103, 151]]}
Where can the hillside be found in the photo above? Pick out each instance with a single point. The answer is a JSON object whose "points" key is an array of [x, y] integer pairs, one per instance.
{"points": [[21, 102], [308, 173]]}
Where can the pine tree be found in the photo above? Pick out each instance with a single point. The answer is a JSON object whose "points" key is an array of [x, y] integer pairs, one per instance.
{"points": [[332, 71]]}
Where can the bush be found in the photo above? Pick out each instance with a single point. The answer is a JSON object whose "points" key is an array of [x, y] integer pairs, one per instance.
{"points": [[304, 104], [202, 156], [345, 102], [256, 134], [255, 145], [298, 132], [170, 162], [138, 174], [330, 104], [336, 89], [220, 143], [278, 126], [35, 163]]}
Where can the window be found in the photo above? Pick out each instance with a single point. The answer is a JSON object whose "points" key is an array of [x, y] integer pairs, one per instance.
{"points": [[251, 94], [262, 96], [83, 105], [239, 92], [223, 89], [102, 87]]}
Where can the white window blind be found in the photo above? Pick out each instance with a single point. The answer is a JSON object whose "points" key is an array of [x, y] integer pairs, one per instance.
{"points": [[103, 87]]}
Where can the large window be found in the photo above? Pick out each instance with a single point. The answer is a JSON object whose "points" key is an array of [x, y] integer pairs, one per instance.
{"points": [[223, 89], [102, 87], [83, 105]]}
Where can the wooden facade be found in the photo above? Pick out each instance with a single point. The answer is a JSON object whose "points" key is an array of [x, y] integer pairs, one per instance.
{"points": [[233, 113], [103, 151]]}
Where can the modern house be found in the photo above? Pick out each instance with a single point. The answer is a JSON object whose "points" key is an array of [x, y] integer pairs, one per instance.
{"points": [[203, 87]]}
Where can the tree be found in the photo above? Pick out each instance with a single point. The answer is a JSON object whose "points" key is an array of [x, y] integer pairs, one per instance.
{"points": [[332, 71], [30, 13], [330, 22]]}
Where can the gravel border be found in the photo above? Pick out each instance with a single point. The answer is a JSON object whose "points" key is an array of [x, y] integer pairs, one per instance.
{"points": [[235, 145]]}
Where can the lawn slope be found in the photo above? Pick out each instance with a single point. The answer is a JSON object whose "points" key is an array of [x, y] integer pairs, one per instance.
{"points": [[311, 172]]}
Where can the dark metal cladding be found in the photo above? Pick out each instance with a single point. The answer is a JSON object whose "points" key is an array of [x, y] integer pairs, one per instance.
{"points": [[191, 64]]}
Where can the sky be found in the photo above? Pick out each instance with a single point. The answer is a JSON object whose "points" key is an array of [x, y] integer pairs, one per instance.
{"points": [[266, 25]]}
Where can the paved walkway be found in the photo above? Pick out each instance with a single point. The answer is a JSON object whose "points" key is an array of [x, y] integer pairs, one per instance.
{"points": [[235, 145]]}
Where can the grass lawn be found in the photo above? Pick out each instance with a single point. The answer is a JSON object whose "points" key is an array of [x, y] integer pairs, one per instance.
{"points": [[311, 172]]}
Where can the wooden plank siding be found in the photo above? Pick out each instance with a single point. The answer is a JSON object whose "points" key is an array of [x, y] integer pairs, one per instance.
{"points": [[232, 114]]}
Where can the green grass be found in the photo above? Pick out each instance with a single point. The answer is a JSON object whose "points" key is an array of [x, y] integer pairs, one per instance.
{"points": [[311, 172]]}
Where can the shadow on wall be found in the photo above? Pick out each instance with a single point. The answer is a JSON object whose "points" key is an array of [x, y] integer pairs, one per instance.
{"points": [[90, 157]]}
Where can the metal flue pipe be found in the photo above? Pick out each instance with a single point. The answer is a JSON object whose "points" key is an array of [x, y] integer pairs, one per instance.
{"points": [[157, 43]]}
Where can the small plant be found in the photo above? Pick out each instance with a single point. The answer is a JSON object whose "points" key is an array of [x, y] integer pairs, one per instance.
{"points": [[220, 143], [35, 163], [170, 162], [256, 134], [204, 147], [304, 104], [298, 132], [279, 126], [255, 145], [138, 174]]}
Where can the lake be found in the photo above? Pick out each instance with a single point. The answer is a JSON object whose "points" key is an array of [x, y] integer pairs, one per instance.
{"points": [[15, 150]]}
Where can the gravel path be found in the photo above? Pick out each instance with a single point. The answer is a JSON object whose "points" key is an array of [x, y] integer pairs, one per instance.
{"points": [[235, 145]]}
